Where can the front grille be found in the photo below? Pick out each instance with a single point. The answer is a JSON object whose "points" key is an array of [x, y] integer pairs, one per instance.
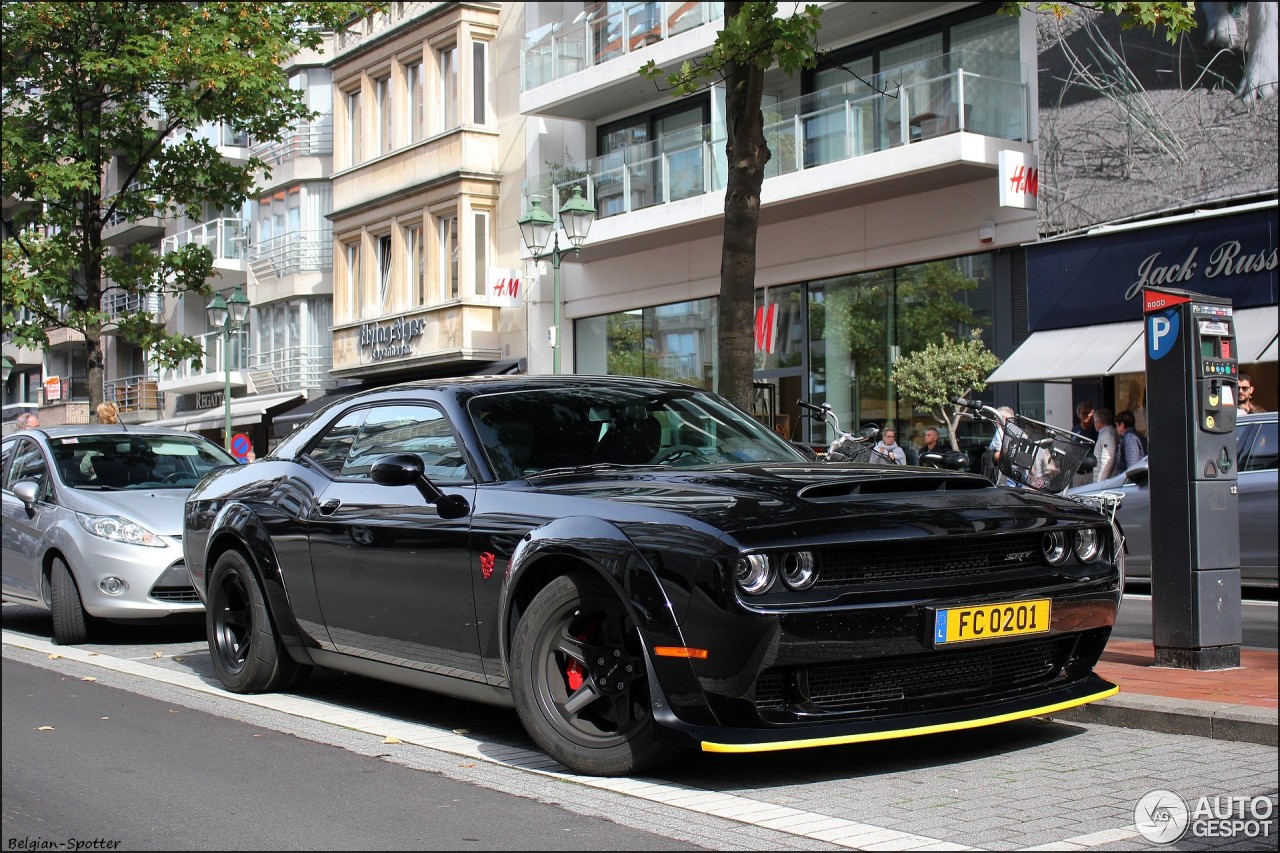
{"points": [[175, 594], [909, 682], [925, 559]]}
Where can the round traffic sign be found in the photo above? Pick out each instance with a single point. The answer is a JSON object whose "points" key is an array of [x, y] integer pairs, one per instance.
{"points": [[240, 445]]}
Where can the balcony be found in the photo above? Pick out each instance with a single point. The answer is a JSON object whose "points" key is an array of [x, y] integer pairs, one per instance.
{"points": [[64, 400], [124, 229], [291, 369], [292, 253], [934, 123], [559, 49], [382, 22], [306, 140], [211, 375], [227, 240], [138, 398], [118, 303]]}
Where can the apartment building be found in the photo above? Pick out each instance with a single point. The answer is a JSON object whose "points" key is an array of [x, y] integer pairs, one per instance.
{"points": [[881, 210]]}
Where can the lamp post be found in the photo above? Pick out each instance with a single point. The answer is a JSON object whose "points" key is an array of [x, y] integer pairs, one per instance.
{"points": [[537, 227], [225, 315]]}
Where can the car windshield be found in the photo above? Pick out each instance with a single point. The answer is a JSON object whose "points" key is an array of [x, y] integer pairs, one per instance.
{"points": [[526, 433], [135, 461]]}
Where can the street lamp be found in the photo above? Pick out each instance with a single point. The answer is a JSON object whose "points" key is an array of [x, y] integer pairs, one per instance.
{"points": [[225, 315], [537, 227]]}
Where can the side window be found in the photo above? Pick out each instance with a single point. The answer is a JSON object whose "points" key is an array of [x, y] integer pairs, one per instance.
{"points": [[1262, 451], [330, 451], [418, 429], [6, 453], [28, 464]]}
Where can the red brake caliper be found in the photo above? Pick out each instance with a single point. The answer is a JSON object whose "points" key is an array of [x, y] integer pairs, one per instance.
{"points": [[574, 672]]}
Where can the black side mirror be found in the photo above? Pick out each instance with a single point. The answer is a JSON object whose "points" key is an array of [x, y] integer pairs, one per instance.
{"points": [[405, 469], [1137, 476]]}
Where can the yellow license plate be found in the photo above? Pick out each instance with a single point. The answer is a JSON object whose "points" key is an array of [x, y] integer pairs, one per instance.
{"points": [[1012, 619]]}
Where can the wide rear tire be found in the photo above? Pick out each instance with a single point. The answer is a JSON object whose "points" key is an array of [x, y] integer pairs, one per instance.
{"points": [[248, 656], [580, 683]]}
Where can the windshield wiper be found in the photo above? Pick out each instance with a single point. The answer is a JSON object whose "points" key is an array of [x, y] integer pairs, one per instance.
{"points": [[582, 469]]}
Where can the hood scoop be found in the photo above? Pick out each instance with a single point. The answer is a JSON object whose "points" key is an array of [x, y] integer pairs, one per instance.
{"points": [[905, 484]]}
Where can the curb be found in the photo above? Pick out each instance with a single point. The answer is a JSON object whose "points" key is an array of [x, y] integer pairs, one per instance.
{"points": [[1216, 720]]}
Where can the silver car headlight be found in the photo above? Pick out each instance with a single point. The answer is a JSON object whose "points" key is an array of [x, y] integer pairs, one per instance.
{"points": [[753, 573], [118, 529], [1088, 544]]}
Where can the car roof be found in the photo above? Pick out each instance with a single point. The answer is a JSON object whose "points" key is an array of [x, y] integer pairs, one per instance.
{"points": [[75, 430]]}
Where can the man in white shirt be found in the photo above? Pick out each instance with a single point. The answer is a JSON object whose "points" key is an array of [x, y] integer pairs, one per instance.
{"points": [[1104, 449]]}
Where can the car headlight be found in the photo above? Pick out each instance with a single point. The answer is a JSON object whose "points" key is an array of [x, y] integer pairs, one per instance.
{"points": [[1054, 546], [753, 573], [798, 571], [1088, 544], [119, 529]]}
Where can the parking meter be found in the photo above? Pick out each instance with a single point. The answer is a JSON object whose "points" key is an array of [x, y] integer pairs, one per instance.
{"points": [[1192, 372]]}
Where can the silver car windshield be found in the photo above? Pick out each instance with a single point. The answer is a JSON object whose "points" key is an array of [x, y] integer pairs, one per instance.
{"points": [[135, 461], [527, 433]]}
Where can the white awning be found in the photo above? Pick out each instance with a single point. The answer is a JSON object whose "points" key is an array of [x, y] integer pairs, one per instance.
{"points": [[1256, 334], [1070, 353], [245, 411]]}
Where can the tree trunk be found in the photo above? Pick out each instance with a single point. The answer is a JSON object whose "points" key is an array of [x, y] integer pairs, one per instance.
{"points": [[747, 155]]}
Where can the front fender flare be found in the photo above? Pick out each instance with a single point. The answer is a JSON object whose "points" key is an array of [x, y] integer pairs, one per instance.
{"points": [[595, 543]]}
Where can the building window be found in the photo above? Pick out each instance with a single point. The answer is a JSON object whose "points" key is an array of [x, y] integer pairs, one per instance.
{"points": [[416, 111], [481, 247], [417, 278], [352, 269], [449, 257], [354, 123], [479, 84], [448, 58], [386, 113], [676, 341], [384, 269]]}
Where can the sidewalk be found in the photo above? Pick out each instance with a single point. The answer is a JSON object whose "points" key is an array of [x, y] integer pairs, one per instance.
{"points": [[1232, 704]]}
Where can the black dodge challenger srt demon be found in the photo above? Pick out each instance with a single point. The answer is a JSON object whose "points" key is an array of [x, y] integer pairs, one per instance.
{"points": [[640, 568]]}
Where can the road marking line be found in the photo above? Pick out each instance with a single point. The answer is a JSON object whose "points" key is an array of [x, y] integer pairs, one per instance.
{"points": [[821, 827]]}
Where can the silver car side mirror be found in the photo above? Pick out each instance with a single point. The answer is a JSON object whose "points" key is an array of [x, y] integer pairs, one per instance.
{"points": [[27, 491]]}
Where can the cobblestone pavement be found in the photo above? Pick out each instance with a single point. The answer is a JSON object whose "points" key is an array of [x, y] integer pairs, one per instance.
{"points": [[1029, 784]]}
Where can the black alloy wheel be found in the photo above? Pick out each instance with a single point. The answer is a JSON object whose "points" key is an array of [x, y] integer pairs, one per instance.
{"points": [[247, 654], [580, 682]]}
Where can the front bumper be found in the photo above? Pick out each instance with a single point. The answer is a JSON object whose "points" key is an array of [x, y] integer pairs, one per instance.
{"points": [[156, 580], [742, 740]]}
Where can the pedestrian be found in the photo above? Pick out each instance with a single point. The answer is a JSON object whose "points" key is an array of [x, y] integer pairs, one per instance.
{"points": [[1132, 445], [108, 413], [932, 441], [888, 451], [1084, 421], [1245, 389], [997, 441], [28, 420], [1104, 449]]}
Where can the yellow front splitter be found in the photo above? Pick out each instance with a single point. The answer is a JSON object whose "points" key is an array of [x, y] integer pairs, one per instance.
{"points": [[837, 740]]}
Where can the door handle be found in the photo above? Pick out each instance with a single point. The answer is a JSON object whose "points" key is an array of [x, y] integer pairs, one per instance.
{"points": [[330, 506]]}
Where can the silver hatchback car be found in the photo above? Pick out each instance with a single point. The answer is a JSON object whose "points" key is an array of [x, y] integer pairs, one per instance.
{"points": [[93, 522]]}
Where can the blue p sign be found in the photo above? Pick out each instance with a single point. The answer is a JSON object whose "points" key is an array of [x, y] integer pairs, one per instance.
{"points": [[1162, 333]]}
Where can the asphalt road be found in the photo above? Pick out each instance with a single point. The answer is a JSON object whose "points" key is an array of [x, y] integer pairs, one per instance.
{"points": [[1257, 620], [88, 762]]}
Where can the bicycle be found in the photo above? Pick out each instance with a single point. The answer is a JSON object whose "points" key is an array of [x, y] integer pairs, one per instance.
{"points": [[846, 447], [1042, 457]]}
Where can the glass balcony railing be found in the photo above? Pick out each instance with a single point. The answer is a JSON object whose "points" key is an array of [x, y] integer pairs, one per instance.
{"points": [[941, 95], [564, 47], [117, 302], [291, 253], [227, 239], [292, 368], [134, 393], [306, 140], [120, 216], [220, 352]]}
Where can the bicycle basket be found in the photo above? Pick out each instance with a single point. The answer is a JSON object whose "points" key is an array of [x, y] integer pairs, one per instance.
{"points": [[1040, 456]]}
